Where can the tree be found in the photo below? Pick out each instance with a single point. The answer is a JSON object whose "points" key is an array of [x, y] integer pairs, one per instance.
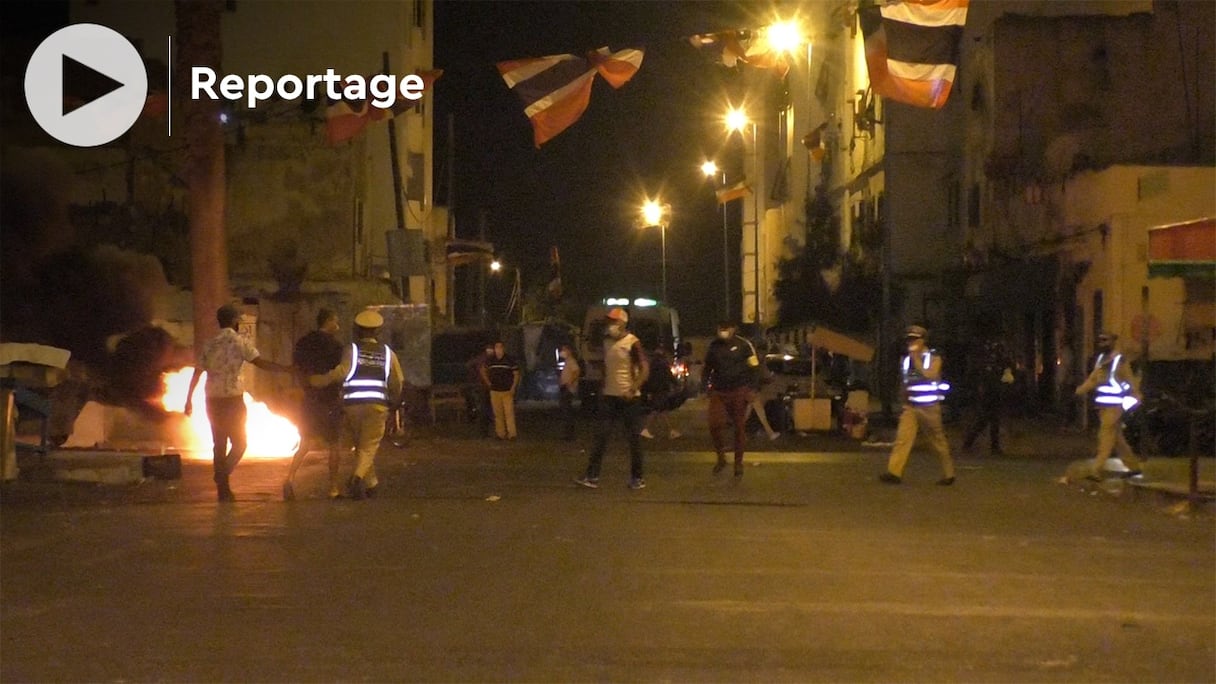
{"points": [[849, 300]]}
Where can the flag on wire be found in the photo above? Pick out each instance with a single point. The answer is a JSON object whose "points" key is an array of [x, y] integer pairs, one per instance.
{"points": [[751, 47], [554, 288], [345, 119], [912, 48], [733, 192], [814, 141], [556, 90]]}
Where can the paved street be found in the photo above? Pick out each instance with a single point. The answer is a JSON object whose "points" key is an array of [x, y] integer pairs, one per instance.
{"points": [[481, 561]]}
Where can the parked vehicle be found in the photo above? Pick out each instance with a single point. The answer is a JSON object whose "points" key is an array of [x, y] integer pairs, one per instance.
{"points": [[654, 324]]}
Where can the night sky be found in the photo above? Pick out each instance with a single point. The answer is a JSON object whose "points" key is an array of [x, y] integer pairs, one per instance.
{"points": [[581, 190]]}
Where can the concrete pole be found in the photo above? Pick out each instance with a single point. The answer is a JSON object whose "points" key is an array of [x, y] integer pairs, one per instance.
{"points": [[198, 29]]}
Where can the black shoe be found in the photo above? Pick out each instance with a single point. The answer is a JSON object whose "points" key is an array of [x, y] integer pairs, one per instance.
{"points": [[889, 478], [946, 481], [356, 489], [738, 470], [1093, 477], [719, 466], [225, 495]]}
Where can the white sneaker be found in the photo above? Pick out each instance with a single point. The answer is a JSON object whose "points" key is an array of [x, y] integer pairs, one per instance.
{"points": [[675, 434], [646, 433]]}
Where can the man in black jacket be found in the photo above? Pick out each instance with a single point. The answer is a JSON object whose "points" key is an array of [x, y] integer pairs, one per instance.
{"points": [[731, 371]]}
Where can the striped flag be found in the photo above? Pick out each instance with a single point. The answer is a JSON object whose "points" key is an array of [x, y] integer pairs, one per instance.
{"points": [[912, 48], [733, 192], [345, 119], [556, 90], [751, 47]]}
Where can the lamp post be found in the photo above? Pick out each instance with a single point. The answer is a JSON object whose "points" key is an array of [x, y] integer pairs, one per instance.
{"points": [[496, 267], [658, 214], [711, 170], [736, 121]]}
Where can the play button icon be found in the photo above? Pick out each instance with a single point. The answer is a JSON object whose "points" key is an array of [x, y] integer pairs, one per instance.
{"points": [[86, 85]]}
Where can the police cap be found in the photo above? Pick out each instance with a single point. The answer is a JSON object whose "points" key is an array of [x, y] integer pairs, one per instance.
{"points": [[369, 319], [618, 314], [915, 331]]}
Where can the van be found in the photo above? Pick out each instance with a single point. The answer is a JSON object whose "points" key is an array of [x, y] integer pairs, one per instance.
{"points": [[655, 325]]}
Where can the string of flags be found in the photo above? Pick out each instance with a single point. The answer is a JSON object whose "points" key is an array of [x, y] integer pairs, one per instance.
{"points": [[912, 54]]}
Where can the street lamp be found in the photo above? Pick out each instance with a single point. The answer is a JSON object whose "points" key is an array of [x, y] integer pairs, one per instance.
{"points": [[785, 36], [736, 121], [711, 170], [496, 267], [655, 213]]}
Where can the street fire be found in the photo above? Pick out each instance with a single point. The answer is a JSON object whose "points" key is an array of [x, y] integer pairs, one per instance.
{"points": [[270, 435]]}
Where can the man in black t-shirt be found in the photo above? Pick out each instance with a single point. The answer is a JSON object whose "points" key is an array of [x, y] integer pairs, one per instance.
{"points": [[316, 353], [501, 373]]}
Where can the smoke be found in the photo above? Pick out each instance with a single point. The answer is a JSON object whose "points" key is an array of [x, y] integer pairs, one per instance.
{"points": [[34, 190], [66, 291]]}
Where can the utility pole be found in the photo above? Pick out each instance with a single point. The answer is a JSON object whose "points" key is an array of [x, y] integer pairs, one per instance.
{"points": [[398, 189], [198, 29]]}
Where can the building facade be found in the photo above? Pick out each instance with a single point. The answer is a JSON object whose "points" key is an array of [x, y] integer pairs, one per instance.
{"points": [[1066, 169], [296, 207]]}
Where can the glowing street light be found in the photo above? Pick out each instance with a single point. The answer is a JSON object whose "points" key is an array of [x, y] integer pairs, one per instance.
{"points": [[711, 170], [496, 265], [785, 36], [736, 120], [655, 213]]}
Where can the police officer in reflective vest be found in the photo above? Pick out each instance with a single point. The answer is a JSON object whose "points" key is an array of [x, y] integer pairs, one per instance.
{"points": [[371, 382], [924, 391], [1115, 391]]}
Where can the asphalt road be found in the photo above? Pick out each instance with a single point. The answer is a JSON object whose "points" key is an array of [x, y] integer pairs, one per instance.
{"points": [[482, 561]]}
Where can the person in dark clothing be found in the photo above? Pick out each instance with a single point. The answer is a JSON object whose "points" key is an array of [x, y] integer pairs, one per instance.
{"points": [[481, 390], [501, 374], [659, 394], [321, 409], [731, 371], [568, 387], [993, 377]]}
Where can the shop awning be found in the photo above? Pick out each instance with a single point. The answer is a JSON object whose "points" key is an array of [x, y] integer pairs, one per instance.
{"points": [[837, 343], [1185, 249]]}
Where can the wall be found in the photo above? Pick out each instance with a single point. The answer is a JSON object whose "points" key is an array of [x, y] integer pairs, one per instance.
{"points": [[1129, 200]]}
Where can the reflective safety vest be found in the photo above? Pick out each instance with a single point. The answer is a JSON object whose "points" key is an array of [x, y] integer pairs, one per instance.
{"points": [[1113, 392], [367, 381], [919, 389]]}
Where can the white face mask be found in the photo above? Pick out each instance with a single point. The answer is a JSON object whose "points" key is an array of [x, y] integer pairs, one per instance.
{"points": [[616, 330], [723, 334]]}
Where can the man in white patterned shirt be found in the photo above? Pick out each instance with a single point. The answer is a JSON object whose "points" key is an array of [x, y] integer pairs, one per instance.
{"points": [[223, 357]]}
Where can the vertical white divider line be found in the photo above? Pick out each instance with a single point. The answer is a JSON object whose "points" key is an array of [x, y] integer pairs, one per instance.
{"points": [[169, 89]]}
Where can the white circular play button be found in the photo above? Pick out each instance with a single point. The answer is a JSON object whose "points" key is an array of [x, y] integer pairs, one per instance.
{"points": [[86, 85]]}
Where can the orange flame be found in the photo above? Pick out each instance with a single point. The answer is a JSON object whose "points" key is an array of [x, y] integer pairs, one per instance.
{"points": [[270, 435]]}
